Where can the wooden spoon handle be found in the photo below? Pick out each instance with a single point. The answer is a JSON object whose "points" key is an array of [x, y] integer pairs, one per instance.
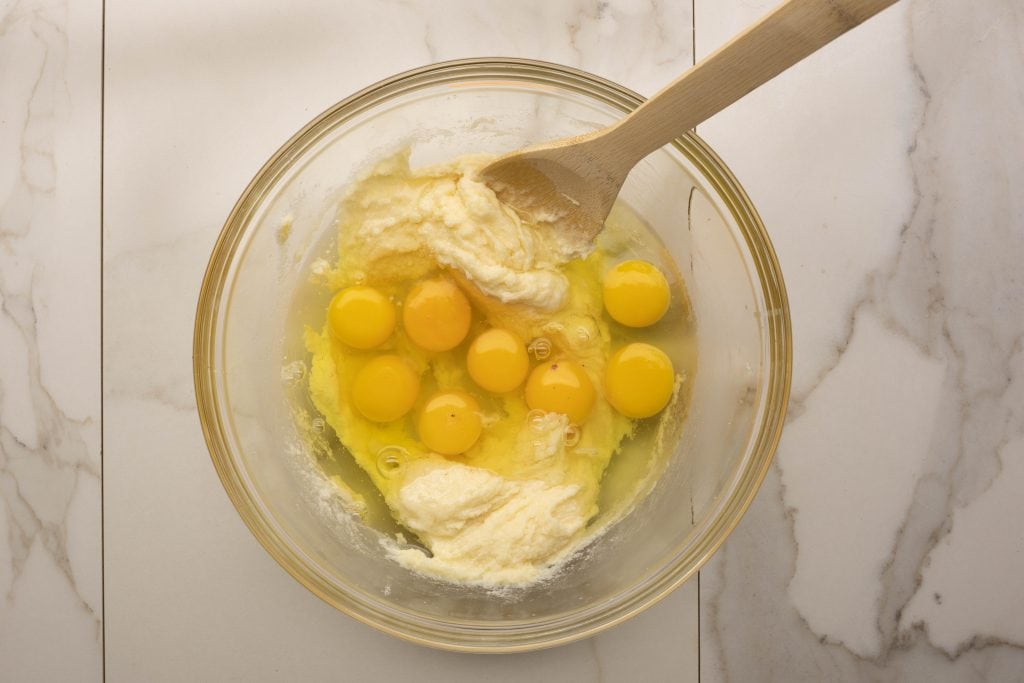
{"points": [[789, 33]]}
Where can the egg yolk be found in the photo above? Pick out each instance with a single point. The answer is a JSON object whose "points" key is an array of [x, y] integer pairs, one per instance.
{"points": [[639, 380], [636, 293], [436, 315], [497, 361], [361, 317], [450, 422], [563, 387], [385, 389]]}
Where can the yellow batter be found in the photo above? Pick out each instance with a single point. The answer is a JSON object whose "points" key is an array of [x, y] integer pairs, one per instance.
{"points": [[517, 501]]}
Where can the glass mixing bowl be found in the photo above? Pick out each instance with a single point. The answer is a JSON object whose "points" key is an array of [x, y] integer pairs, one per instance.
{"points": [[249, 360]]}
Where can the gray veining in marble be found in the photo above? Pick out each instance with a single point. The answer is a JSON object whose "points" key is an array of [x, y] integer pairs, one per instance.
{"points": [[885, 543], [50, 564], [946, 300]]}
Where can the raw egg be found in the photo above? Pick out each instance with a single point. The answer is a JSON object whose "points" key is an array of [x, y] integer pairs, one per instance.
{"points": [[361, 317], [385, 389], [639, 380], [436, 315], [636, 293], [561, 386], [450, 422], [497, 361]]}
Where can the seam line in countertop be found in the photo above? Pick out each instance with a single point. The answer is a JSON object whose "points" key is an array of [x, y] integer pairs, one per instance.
{"points": [[103, 550], [693, 60]]}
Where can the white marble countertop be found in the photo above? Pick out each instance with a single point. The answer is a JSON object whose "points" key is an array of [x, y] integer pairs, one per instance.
{"points": [[886, 542]]}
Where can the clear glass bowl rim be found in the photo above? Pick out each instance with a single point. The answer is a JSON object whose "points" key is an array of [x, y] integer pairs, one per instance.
{"points": [[491, 638]]}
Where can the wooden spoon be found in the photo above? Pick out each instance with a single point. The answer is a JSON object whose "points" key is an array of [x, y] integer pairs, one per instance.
{"points": [[573, 182]]}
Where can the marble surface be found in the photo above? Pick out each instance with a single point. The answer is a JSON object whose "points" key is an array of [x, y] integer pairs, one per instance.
{"points": [[51, 606], [198, 95], [884, 544]]}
